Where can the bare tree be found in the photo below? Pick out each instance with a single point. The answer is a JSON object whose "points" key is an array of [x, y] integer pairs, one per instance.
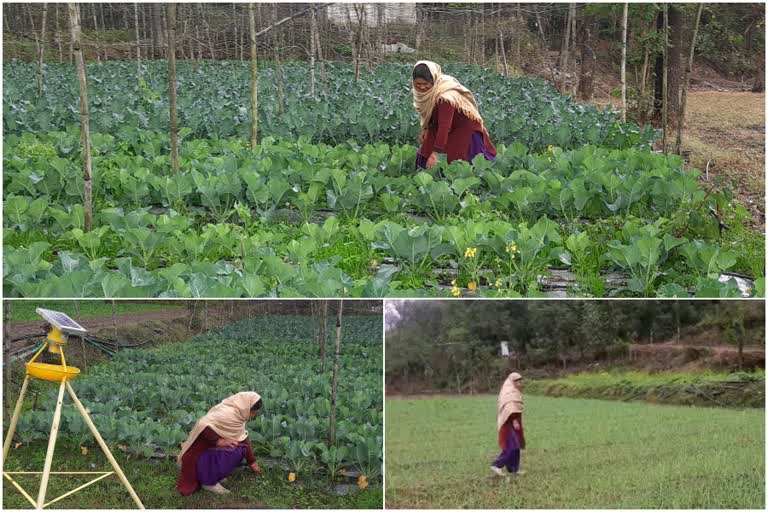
{"points": [[312, 50], [588, 59], [171, 15], [278, 65], [58, 35], [624, 63], [665, 82], [686, 80], [74, 23], [254, 78], [564, 51], [41, 53], [332, 419], [138, 40]]}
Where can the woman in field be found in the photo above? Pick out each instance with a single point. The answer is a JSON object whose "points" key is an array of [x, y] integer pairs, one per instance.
{"points": [[450, 119], [509, 423], [217, 444]]}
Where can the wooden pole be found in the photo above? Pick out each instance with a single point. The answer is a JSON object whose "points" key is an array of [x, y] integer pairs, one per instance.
{"points": [[624, 63], [254, 78], [104, 447], [15, 418], [312, 51], [665, 84], [138, 40], [171, 15], [114, 318], [324, 334], [74, 20], [41, 53], [332, 427], [51, 446], [686, 82], [503, 54]]}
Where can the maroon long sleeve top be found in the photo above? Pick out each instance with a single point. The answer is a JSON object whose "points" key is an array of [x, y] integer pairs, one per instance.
{"points": [[188, 483], [450, 131]]}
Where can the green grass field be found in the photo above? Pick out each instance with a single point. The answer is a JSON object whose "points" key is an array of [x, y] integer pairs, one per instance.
{"points": [[581, 454], [24, 310], [155, 482]]}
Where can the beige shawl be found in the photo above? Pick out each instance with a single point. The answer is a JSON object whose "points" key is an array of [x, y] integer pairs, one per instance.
{"points": [[227, 419], [510, 400], [447, 88]]}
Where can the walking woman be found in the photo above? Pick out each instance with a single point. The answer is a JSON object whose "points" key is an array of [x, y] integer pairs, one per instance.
{"points": [[450, 119], [509, 423], [217, 444]]}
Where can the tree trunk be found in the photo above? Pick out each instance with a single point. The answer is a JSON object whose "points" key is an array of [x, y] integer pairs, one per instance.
{"points": [[157, 17], [658, 70], [171, 9], [278, 66], [74, 23], [546, 46], [41, 52], [332, 424], [58, 36], [503, 54], [254, 78], [564, 50], [518, 34], [686, 81], [624, 63], [138, 40], [312, 50], [586, 80], [324, 335], [235, 20], [675, 70], [665, 82], [319, 48], [114, 318]]}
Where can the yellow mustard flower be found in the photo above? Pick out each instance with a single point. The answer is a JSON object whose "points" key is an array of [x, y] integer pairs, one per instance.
{"points": [[470, 252], [455, 291], [549, 148], [472, 286], [498, 283]]}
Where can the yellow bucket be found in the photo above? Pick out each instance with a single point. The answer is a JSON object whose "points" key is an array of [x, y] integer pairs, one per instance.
{"points": [[51, 372]]}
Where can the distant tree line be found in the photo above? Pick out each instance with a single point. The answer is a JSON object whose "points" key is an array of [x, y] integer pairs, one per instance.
{"points": [[456, 344]]}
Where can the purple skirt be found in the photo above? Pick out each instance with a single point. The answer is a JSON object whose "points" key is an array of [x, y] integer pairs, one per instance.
{"points": [[216, 464], [476, 146]]}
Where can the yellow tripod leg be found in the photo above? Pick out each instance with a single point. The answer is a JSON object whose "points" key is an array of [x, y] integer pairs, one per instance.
{"points": [[104, 447], [15, 418], [51, 446]]}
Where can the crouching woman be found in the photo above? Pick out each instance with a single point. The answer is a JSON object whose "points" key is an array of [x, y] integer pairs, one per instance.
{"points": [[217, 445]]}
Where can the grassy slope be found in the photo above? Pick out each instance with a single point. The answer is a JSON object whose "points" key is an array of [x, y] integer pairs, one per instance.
{"points": [[581, 454], [24, 310], [155, 485]]}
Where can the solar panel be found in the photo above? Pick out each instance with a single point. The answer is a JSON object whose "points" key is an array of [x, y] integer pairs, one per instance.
{"points": [[61, 321]]}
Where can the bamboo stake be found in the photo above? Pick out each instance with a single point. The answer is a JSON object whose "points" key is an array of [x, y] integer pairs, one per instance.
{"points": [[15, 419], [104, 447], [51, 445]]}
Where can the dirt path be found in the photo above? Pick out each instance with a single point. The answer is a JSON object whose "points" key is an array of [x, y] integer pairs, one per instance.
{"points": [[728, 129], [100, 322]]}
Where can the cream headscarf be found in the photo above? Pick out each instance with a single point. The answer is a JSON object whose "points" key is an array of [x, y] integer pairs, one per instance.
{"points": [[447, 88], [227, 419], [510, 400]]}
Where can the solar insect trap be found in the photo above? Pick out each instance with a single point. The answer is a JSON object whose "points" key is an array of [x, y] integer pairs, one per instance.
{"points": [[62, 327]]}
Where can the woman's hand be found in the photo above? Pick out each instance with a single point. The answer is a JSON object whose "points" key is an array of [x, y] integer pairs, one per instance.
{"points": [[255, 467], [432, 160], [226, 443], [422, 136]]}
